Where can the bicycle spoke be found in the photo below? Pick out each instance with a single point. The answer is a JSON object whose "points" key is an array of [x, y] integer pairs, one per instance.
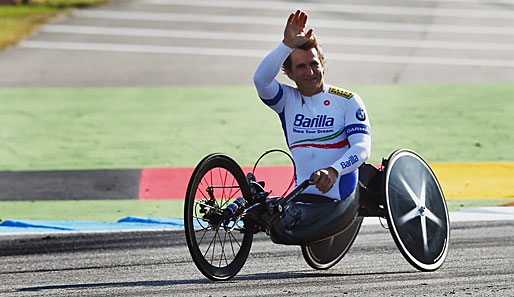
{"points": [[220, 183], [235, 239], [424, 233], [214, 245], [230, 192], [232, 246], [208, 247], [205, 183], [408, 216], [203, 229], [222, 255], [422, 195], [430, 215], [237, 191], [204, 195], [412, 195], [204, 233]]}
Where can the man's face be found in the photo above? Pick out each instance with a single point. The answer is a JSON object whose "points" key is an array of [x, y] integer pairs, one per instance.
{"points": [[307, 71]]}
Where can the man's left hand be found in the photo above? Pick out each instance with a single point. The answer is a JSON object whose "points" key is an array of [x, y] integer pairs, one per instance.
{"points": [[324, 179]]}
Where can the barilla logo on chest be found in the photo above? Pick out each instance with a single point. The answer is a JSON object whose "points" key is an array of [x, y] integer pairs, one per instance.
{"points": [[320, 121]]}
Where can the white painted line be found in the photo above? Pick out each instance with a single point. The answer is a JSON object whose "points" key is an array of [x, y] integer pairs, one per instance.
{"points": [[483, 214], [484, 2], [420, 60], [500, 213], [344, 9], [231, 52], [135, 48], [219, 35], [276, 21]]}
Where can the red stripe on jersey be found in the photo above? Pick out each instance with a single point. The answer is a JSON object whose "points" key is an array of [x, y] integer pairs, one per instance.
{"points": [[336, 145]]}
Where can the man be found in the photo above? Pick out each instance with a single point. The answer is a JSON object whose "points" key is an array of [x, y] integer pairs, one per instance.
{"points": [[326, 128]]}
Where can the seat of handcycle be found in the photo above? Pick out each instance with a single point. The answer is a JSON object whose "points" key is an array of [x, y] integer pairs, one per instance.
{"points": [[311, 218]]}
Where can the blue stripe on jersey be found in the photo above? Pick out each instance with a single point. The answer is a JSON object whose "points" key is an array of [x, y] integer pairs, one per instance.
{"points": [[347, 184], [282, 116], [356, 128], [274, 100]]}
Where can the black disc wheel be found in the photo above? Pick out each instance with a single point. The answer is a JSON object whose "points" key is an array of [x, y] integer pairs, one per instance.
{"points": [[328, 252], [219, 244], [416, 211]]}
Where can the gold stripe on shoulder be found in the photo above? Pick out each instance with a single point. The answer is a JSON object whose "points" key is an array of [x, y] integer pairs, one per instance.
{"points": [[339, 92]]}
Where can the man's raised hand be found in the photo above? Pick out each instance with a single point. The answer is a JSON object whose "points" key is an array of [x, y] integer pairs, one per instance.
{"points": [[294, 33]]}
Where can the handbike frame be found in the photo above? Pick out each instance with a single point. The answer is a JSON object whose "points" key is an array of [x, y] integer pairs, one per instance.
{"points": [[404, 190]]}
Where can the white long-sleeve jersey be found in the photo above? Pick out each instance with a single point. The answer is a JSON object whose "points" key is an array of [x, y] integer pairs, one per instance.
{"points": [[329, 129]]}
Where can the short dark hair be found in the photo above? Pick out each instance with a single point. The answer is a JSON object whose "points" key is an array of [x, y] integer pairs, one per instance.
{"points": [[310, 44]]}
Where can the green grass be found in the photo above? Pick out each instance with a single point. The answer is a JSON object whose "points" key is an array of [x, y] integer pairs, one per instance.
{"points": [[45, 129], [90, 210], [19, 21], [113, 210], [90, 128], [456, 204]]}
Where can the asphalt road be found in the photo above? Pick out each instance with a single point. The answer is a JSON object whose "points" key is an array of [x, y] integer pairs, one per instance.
{"points": [[178, 42], [480, 263]]}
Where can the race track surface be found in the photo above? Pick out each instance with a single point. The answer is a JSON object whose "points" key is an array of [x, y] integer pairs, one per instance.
{"points": [[177, 42], [480, 263]]}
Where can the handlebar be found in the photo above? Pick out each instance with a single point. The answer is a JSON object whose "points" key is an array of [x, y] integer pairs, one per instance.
{"points": [[297, 191]]}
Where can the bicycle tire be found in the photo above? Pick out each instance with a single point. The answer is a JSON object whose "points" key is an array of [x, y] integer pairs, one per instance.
{"points": [[417, 214], [218, 249]]}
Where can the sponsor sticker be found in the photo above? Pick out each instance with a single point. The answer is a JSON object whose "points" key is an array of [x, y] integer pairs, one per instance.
{"points": [[357, 128], [352, 160], [361, 116], [341, 93], [320, 121]]}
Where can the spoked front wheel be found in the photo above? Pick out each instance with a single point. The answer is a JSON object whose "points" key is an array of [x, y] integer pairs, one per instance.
{"points": [[217, 240], [416, 211]]}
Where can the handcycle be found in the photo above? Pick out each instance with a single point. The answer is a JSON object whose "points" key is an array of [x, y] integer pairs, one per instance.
{"points": [[224, 208]]}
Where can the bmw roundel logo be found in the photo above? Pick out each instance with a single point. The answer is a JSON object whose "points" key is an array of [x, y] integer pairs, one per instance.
{"points": [[361, 116]]}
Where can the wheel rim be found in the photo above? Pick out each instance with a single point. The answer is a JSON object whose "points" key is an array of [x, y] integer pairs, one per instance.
{"points": [[218, 242], [417, 211], [219, 247]]}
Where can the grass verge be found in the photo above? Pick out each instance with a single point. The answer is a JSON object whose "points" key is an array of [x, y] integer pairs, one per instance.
{"points": [[19, 21], [90, 210], [102, 128]]}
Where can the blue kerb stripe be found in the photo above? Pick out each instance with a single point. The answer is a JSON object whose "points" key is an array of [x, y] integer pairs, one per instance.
{"points": [[153, 220], [357, 128], [32, 224], [123, 224], [274, 100]]}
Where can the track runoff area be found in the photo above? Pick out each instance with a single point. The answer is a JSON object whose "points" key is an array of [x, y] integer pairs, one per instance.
{"points": [[457, 180], [390, 41]]}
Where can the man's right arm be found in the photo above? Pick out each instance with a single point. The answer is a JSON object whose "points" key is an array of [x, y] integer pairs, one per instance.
{"points": [[294, 35], [264, 78]]}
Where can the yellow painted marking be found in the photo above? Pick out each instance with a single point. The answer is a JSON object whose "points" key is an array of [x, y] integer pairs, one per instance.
{"points": [[476, 180]]}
